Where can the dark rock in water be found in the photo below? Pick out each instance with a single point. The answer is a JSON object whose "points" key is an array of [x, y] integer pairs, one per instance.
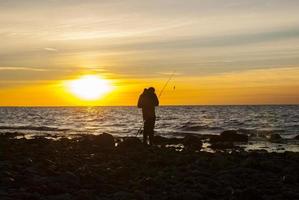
{"points": [[296, 137], [192, 143], [229, 136], [159, 140], [275, 138], [130, 143], [233, 136], [9, 135], [222, 145]]}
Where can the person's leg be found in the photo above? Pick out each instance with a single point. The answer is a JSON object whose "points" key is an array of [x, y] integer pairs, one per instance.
{"points": [[151, 138], [144, 138], [151, 130], [145, 132]]}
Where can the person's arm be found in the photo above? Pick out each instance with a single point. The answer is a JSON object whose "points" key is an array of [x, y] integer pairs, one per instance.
{"points": [[140, 102], [156, 100]]}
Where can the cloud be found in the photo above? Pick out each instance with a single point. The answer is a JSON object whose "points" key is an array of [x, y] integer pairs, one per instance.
{"points": [[50, 49], [22, 69], [134, 37]]}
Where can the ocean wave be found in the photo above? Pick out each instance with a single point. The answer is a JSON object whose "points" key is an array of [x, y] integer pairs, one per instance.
{"points": [[33, 128], [197, 128], [192, 128], [255, 121]]}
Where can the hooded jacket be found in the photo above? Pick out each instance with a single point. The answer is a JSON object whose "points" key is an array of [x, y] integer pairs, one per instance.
{"points": [[148, 101]]}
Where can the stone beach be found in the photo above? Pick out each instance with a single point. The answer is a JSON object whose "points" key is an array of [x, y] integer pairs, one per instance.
{"points": [[104, 167]]}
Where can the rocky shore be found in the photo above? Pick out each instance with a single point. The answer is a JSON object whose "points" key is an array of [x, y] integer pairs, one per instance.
{"points": [[103, 167]]}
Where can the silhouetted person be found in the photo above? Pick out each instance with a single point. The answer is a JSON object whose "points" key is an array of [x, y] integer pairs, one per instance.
{"points": [[148, 100]]}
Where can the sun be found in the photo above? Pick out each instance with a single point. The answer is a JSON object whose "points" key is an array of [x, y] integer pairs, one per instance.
{"points": [[89, 87]]}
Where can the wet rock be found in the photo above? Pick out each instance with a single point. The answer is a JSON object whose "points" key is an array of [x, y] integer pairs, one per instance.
{"points": [[229, 136], [275, 138], [296, 137], [192, 143], [233, 136], [159, 140], [8, 135], [40, 140], [130, 143], [222, 145], [104, 141]]}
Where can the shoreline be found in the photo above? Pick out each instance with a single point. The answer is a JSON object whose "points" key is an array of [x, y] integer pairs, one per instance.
{"points": [[92, 167], [270, 143]]}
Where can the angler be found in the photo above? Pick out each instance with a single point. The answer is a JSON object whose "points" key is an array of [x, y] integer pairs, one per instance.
{"points": [[148, 100]]}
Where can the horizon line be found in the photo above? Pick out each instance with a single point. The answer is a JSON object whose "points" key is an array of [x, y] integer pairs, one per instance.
{"points": [[171, 105]]}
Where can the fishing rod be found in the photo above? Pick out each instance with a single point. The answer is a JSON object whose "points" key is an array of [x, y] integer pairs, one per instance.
{"points": [[139, 130], [165, 85], [160, 94]]}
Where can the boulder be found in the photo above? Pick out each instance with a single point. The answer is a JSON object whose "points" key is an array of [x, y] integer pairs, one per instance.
{"points": [[130, 143], [192, 143], [222, 145], [275, 138], [229, 136], [8, 135], [159, 140], [296, 137], [104, 140], [233, 136]]}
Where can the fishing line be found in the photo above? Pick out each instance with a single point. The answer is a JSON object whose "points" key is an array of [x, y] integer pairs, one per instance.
{"points": [[165, 85]]}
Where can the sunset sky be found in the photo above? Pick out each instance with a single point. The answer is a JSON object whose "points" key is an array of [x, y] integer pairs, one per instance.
{"points": [[222, 51]]}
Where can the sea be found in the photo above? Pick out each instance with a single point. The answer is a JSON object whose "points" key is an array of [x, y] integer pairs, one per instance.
{"points": [[257, 121]]}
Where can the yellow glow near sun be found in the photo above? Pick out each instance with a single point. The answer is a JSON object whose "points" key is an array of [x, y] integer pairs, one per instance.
{"points": [[89, 87]]}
